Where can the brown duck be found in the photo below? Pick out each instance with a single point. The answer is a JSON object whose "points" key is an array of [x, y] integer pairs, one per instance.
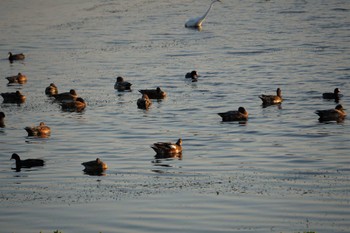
{"points": [[272, 99], [13, 57], [51, 90], [66, 96], [332, 95], [167, 148], [240, 115], [154, 93], [144, 102], [41, 130], [19, 78], [77, 105], [94, 167], [192, 75], [338, 114]]}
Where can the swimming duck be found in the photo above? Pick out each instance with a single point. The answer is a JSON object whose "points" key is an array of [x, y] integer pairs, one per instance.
{"points": [[338, 114], [13, 57], [167, 148], [13, 97], [272, 99], [144, 102], [240, 115], [335, 95], [75, 105], [27, 163], [154, 93], [51, 90], [41, 130], [94, 166], [192, 75], [66, 96], [2, 116], [19, 78], [122, 85]]}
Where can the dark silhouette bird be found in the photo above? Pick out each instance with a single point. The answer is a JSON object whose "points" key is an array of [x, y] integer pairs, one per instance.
{"points": [[338, 114], [41, 130], [272, 99], [240, 115], [192, 75], [122, 85], [19, 78], [167, 148], [13, 97], [144, 102], [335, 95], [2, 122], [154, 93], [13, 57], [27, 163], [51, 90]]}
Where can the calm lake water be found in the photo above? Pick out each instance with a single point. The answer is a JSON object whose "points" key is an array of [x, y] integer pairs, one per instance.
{"points": [[282, 171]]}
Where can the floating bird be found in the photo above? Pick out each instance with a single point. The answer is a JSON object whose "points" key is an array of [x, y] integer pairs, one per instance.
{"points": [[192, 75], [197, 22], [94, 167], [51, 90], [77, 105], [13, 97], [19, 78], [27, 163], [13, 57], [272, 99], [240, 115], [122, 85], [335, 95], [338, 114], [66, 96], [2, 116], [41, 130], [154, 93], [144, 102], [167, 148]]}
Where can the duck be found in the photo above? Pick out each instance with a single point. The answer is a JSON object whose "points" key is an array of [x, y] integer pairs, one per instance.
{"points": [[192, 75], [66, 96], [335, 95], [76, 105], [41, 130], [13, 97], [272, 99], [167, 148], [337, 114], [2, 122], [144, 102], [13, 57], [27, 163], [154, 93], [19, 78], [94, 166], [51, 90], [240, 115], [122, 85]]}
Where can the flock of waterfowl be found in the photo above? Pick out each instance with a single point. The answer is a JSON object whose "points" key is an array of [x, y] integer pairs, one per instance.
{"points": [[71, 102]]}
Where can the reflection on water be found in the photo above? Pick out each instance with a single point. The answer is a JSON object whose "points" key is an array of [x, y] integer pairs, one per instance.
{"points": [[281, 171]]}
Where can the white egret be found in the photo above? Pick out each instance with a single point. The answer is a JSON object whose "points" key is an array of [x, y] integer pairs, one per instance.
{"points": [[197, 22]]}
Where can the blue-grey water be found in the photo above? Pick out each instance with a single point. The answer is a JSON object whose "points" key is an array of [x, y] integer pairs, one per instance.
{"points": [[282, 171]]}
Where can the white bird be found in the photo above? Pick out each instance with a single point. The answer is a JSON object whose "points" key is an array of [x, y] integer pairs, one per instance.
{"points": [[197, 22]]}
